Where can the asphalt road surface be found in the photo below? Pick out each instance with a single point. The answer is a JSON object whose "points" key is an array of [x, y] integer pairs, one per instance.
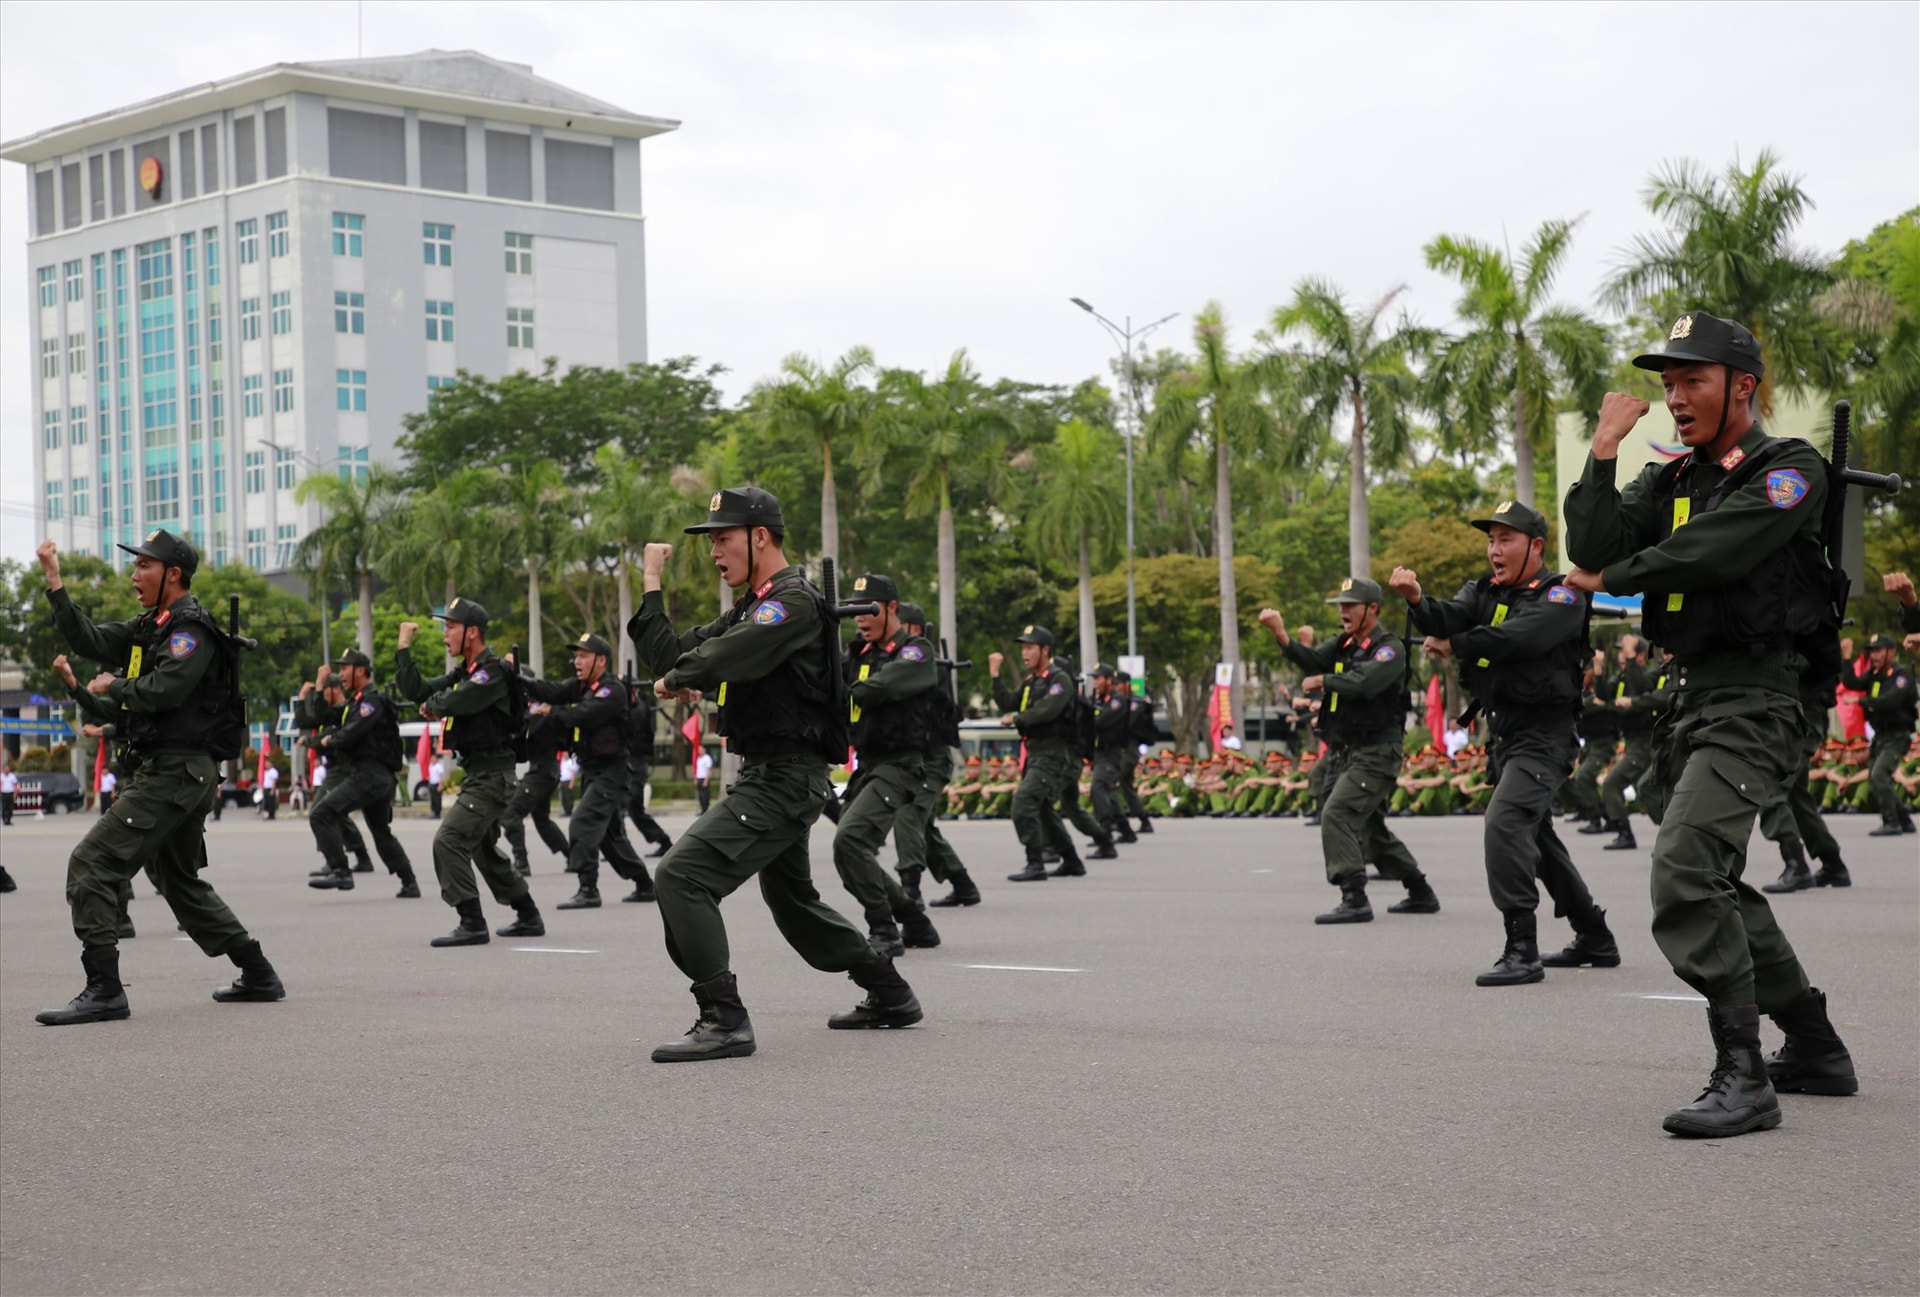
{"points": [[1162, 1078]]}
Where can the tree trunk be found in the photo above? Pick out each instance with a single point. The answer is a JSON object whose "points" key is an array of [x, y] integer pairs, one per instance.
{"points": [[1522, 453], [829, 509], [366, 611], [1359, 517], [622, 650], [1089, 639], [948, 629], [1229, 590], [536, 656]]}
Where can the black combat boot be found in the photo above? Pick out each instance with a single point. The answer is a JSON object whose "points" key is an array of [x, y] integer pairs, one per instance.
{"points": [[1104, 850], [409, 885], [1035, 872], [527, 921], [102, 1000], [472, 930], [910, 881], [257, 983], [1889, 827], [1519, 963], [341, 878], [660, 849], [1833, 872], [1738, 1097], [1592, 943], [1070, 864], [6, 881], [1813, 1061], [1623, 837], [1312, 820], [916, 929], [1353, 907], [964, 892], [363, 864], [1048, 856], [1146, 825], [1419, 899], [1795, 877], [721, 1031], [889, 1001], [643, 891], [882, 933], [125, 930], [1906, 819], [587, 898], [523, 867], [1123, 832], [1596, 825]]}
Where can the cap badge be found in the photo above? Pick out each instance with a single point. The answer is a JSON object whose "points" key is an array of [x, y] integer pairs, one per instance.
{"points": [[1346, 583], [1026, 630], [713, 505], [1682, 328], [152, 534], [861, 584], [1506, 506], [586, 637]]}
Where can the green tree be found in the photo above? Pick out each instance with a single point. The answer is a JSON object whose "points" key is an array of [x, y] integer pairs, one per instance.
{"points": [[1728, 250], [827, 406], [1077, 512], [626, 504], [360, 520], [1518, 352], [539, 514], [450, 538], [285, 627]]}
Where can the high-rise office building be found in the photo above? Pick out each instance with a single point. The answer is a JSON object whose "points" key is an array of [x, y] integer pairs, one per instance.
{"points": [[249, 281]]}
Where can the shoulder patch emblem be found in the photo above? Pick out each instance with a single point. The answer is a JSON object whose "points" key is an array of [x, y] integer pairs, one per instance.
{"points": [[1899, 682], [1561, 594], [480, 676], [1786, 487], [368, 709], [913, 653], [604, 691], [1385, 653], [1731, 460], [770, 613], [182, 643], [1056, 688]]}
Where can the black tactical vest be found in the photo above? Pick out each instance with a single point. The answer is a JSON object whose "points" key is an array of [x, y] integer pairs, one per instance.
{"points": [[382, 745], [1346, 720], [610, 740], [885, 729], [1544, 684], [200, 722], [492, 729], [787, 710], [1782, 602], [640, 725], [1064, 728]]}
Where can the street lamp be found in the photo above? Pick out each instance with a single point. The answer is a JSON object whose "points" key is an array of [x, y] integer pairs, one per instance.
{"points": [[1124, 335]]}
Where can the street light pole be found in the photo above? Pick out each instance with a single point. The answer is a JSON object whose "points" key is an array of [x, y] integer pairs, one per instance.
{"points": [[1124, 335]]}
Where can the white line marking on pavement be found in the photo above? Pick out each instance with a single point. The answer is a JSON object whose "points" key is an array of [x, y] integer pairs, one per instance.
{"points": [[1684, 999], [552, 950], [1263, 871], [1023, 968]]}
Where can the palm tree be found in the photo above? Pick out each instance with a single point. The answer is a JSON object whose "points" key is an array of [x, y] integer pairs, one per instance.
{"points": [[950, 429], [1728, 249], [1222, 405], [450, 539], [360, 520], [1078, 512], [1345, 361], [539, 511], [1517, 350], [823, 405], [625, 505]]}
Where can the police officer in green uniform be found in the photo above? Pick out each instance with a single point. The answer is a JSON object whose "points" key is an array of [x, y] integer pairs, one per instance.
{"points": [[1633, 698], [592, 714], [1112, 742], [1725, 545], [316, 712], [475, 707], [1520, 636], [1042, 711], [177, 714], [1887, 697], [1795, 822], [363, 764], [1142, 732], [769, 662], [918, 843], [894, 708], [533, 795], [1362, 674], [639, 771], [1599, 730]]}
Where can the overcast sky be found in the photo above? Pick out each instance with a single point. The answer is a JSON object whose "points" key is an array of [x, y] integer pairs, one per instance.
{"points": [[924, 177]]}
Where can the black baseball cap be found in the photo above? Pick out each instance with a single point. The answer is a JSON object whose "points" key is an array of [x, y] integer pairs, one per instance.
{"points": [[1102, 669], [1520, 517], [741, 506], [168, 549], [464, 611], [1701, 339], [875, 588], [591, 643], [1357, 589], [354, 658], [1883, 641], [912, 614], [1035, 635]]}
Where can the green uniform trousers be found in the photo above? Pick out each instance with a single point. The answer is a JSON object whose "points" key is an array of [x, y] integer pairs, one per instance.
{"points": [[158, 820], [599, 826], [880, 791], [1129, 795], [349, 833], [1325, 771], [1584, 788], [1036, 821], [1109, 772], [761, 828], [1073, 810], [469, 837], [1523, 852], [1353, 815], [918, 842], [1636, 756], [367, 787], [1723, 754], [1796, 816], [533, 796], [1884, 757]]}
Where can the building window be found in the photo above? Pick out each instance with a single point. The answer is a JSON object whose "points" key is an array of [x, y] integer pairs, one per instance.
{"points": [[439, 321], [49, 357], [252, 405], [249, 319], [49, 287], [256, 472], [80, 494], [210, 239], [56, 492], [50, 430], [437, 243], [247, 235], [519, 254], [353, 464], [434, 383], [282, 469], [277, 234], [76, 281], [256, 546], [283, 313], [350, 390], [76, 353], [286, 537], [520, 327], [77, 425], [283, 392], [213, 331], [347, 229], [349, 312]]}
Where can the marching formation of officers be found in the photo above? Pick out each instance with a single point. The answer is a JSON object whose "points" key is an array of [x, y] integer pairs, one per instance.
{"points": [[1725, 544]]}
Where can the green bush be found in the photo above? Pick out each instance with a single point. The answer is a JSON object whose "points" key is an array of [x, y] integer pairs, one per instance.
{"points": [[673, 790]]}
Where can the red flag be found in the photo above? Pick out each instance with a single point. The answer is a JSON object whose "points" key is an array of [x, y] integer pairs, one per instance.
{"points": [[99, 763], [423, 751], [1437, 711], [691, 728], [260, 771]]}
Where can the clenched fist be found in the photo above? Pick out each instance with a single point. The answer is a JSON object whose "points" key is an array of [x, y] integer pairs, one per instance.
{"points": [[1273, 621], [994, 661], [408, 629], [1619, 413], [49, 555], [1406, 583], [653, 559]]}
